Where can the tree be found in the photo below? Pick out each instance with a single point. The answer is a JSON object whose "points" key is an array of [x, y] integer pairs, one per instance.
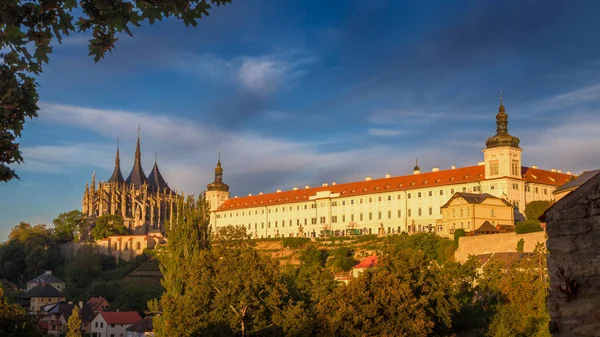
{"points": [[528, 226], [520, 245], [109, 225], [343, 260], [28, 30], [68, 226], [231, 234], [85, 267], [535, 209], [74, 323], [15, 321]]}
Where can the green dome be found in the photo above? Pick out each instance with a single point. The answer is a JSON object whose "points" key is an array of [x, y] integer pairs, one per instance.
{"points": [[502, 137]]}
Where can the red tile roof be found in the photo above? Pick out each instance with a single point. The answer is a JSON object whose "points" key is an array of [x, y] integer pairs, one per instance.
{"points": [[121, 317], [470, 174], [369, 262], [95, 302]]}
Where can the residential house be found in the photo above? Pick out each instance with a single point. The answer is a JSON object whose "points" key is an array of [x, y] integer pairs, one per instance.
{"points": [[40, 296], [142, 328], [98, 304], [470, 211], [113, 323], [46, 278], [572, 185], [365, 264]]}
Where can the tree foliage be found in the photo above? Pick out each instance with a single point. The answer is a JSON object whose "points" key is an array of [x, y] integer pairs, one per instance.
{"points": [[15, 321], [230, 234], [535, 209], [109, 225], [28, 30], [74, 323], [69, 225], [528, 226]]}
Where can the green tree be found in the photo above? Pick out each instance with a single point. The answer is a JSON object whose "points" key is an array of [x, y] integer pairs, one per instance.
{"points": [[82, 271], [68, 226], [15, 321], [520, 245], [74, 323], [231, 234], [109, 225], [535, 209], [28, 30], [528, 226], [457, 235], [343, 260]]}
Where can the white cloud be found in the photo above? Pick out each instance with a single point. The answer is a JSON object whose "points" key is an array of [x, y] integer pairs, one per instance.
{"points": [[573, 98], [254, 162], [257, 74], [404, 116], [379, 132]]}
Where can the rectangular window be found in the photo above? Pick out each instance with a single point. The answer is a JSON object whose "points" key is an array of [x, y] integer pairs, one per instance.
{"points": [[370, 199], [430, 193], [451, 191], [334, 219], [334, 203], [419, 194], [494, 167], [275, 224], [379, 215], [399, 196], [361, 217], [430, 211], [313, 221], [408, 196], [399, 213], [389, 214], [361, 201], [389, 197], [343, 202], [493, 212], [322, 219], [351, 217], [441, 192], [419, 212], [409, 212], [305, 206], [343, 218], [370, 216], [298, 222], [464, 189], [454, 212], [379, 199], [313, 206], [305, 221], [351, 202], [515, 167]]}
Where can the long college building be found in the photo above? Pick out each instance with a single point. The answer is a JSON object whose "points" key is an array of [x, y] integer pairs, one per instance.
{"points": [[393, 204]]}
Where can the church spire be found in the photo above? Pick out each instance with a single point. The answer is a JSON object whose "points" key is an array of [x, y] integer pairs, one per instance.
{"points": [[137, 177], [502, 137], [116, 176], [218, 184], [156, 180]]}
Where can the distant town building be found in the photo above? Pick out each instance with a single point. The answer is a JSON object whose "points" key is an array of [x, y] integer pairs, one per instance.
{"points": [[470, 211], [409, 203], [147, 204], [98, 304], [46, 278], [142, 328], [113, 323], [39, 296], [369, 262]]}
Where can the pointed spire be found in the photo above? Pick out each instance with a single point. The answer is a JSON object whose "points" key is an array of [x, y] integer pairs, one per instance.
{"points": [[137, 177], [116, 176], [218, 184], [155, 179], [417, 168], [502, 137]]}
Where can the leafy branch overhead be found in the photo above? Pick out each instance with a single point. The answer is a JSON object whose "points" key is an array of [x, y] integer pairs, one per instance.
{"points": [[28, 30]]}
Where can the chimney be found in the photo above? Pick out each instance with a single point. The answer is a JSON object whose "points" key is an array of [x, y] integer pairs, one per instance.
{"points": [[333, 183], [306, 187], [368, 178], [435, 169], [49, 272], [553, 170], [324, 185], [295, 188], [559, 171], [278, 191], [260, 193], [387, 175], [534, 167], [249, 194], [569, 173], [453, 167], [481, 163], [117, 310]]}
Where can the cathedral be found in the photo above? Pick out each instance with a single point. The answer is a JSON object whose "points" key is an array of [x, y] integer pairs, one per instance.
{"points": [[146, 203]]}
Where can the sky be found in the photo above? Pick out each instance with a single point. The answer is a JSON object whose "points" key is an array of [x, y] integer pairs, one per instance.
{"points": [[295, 93]]}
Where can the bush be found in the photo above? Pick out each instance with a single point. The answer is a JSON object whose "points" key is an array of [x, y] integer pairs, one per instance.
{"points": [[457, 234], [528, 226], [294, 243]]}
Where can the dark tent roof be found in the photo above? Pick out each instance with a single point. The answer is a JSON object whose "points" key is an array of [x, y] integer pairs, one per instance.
{"points": [[137, 177], [116, 176], [577, 182], [43, 290], [474, 198], [156, 180], [46, 277], [486, 227], [145, 325]]}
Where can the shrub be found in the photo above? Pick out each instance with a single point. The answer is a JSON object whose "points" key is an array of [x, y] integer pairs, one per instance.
{"points": [[457, 234], [294, 243], [528, 226]]}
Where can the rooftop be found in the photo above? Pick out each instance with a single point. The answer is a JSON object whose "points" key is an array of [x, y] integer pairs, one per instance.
{"points": [[120, 317], [42, 290], [369, 262], [46, 277]]}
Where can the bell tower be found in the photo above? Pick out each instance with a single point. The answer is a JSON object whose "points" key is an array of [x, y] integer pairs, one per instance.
{"points": [[502, 154], [217, 191]]}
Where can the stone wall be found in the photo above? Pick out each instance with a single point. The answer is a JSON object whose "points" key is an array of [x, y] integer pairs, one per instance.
{"points": [[573, 227], [496, 243]]}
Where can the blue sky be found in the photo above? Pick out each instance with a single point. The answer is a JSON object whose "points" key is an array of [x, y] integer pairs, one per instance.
{"points": [[304, 92]]}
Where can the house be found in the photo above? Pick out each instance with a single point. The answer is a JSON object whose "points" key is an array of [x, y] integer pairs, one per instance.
{"points": [[470, 211], [98, 304], [141, 329], [46, 278], [55, 317], [40, 296], [572, 185], [87, 316], [365, 264], [113, 323]]}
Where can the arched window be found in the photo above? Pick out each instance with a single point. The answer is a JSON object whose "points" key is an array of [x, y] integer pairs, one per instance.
{"points": [[138, 246], [126, 245]]}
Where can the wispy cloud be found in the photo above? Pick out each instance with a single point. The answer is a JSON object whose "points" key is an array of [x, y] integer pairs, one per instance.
{"points": [[573, 98], [262, 74], [379, 132], [402, 116]]}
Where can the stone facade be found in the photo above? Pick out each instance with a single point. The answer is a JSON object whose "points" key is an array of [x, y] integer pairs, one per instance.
{"points": [[147, 204], [127, 247], [496, 243], [573, 227]]}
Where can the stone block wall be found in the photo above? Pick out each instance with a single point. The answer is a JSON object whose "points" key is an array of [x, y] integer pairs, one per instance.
{"points": [[573, 227], [496, 243]]}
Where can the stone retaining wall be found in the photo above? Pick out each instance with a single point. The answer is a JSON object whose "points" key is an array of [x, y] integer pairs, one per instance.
{"points": [[496, 243]]}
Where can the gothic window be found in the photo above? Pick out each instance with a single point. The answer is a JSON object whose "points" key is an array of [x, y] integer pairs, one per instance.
{"points": [[494, 167], [515, 167]]}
